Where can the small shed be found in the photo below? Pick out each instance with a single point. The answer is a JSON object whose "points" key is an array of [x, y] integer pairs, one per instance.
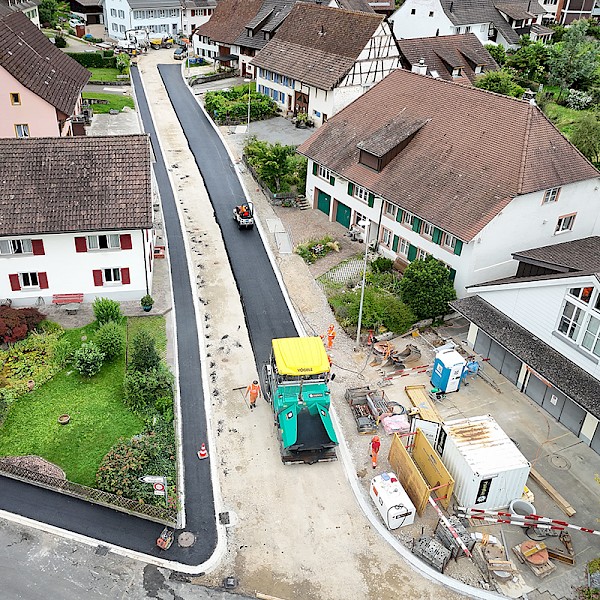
{"points": [[488, 469]]}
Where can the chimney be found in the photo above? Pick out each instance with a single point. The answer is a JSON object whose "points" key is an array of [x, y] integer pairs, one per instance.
{"points": [[420, 67], [451, 5]]}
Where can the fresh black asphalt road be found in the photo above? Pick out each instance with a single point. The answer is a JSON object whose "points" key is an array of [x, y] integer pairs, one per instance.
{"points": [[267, 314], [267, 317]]}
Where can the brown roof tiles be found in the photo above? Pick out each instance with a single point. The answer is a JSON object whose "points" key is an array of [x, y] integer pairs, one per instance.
{"points": [[53, 185], [36, 63], [318, 45], [477, 151], [229, 20]]}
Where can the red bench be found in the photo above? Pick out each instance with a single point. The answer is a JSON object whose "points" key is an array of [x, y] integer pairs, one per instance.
{"points": [[68, 300]]}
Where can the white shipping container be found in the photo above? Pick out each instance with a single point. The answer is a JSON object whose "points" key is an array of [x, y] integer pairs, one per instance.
{"points": [[488, 469]]}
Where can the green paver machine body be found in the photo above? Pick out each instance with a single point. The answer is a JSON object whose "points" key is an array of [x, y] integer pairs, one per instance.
{"points": [[295, 382]]}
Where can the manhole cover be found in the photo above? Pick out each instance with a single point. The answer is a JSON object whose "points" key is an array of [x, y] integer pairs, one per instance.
{"points": [[186, 539], [559, 462]]}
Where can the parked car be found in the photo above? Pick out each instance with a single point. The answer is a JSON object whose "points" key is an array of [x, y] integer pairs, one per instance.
{"points": [[180, 54]]}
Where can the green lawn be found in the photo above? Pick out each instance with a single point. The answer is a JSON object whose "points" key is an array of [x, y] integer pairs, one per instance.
{"points": [[153, 325], [98, 416], [115, 101], [103, 74]]}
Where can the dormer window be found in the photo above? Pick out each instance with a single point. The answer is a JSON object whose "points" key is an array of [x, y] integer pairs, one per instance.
{"points": [[249, 32], [457, 72]]}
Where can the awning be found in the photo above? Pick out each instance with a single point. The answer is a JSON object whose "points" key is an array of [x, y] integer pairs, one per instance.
{"points": [[226, 57]]}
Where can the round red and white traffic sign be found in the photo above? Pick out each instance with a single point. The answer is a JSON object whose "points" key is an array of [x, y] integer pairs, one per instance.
{"points": [[159, 488]]}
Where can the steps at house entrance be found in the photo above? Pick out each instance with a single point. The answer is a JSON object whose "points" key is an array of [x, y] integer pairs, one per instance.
{"points": [[302, 203]]}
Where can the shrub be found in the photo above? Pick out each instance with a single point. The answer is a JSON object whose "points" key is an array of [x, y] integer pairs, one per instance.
{"points": [[128, 460], [63, 352], [49, 327], [144, 355], [231, 106], [93, 60], [109, 339], [313, 249], [88, 359], [380, 308], [123, 63], [106, 310], [144, 391], [15, 323], [381, 265], [579, 100], [60, 42], [426, 288]]}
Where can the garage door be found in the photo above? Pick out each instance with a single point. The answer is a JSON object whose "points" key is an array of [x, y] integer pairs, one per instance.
{"points": [[553, 402], [342, 215], [496, 355], [572, 416], [511, 367], [536, 389], [482, 344], [595, 445], [323, 202]]}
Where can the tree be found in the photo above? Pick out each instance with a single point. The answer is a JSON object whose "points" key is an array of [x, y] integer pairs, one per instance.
{"points": [[144, 355], [500, 82], [498, 52], [88, 359], [574, 61], [426, 288], [530, 60], [586, 136], [51, 11]]}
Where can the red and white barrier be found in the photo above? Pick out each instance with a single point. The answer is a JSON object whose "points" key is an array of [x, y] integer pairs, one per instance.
{"points": [[450, 527], [495, 516]]}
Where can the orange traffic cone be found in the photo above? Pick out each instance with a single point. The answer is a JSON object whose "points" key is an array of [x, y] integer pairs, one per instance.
{"points": [[202, 453]]}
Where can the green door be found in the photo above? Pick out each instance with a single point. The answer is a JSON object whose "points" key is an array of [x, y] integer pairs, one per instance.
{"points": [[323, 202], [342, 215]]}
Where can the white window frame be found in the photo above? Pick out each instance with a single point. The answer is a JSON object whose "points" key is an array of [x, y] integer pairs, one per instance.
{"points": [[421, 254], [427, 229], [174, 12], [570, 323], [323, 172], [162, 13], [113, 242], [390, 209], [27, 280], [16, 246], [150, 14], [408, 219], [361, 193], [449, 241], [22, 130], [113, 12], [111, 276], [121, 14], [551, 195], [387, 237], [467, 29], [594, 344], [579, 293], [403, 246], [565, 223]]}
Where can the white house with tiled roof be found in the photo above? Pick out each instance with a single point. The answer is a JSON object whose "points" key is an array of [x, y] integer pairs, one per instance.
{"points": [[541, 330], [459, 173], [75, 219], [323, 58], [40, 86], [499, 22]]}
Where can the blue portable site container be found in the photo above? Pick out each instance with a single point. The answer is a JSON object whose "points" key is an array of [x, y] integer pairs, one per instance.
{"points": [[447, 370]]}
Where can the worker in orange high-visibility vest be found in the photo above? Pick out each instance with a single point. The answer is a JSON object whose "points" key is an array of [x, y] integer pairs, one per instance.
{"points": [[375, 445], [254, 390], [330, 337]]}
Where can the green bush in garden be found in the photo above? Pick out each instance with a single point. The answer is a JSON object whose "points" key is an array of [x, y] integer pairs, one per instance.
{"points": [[88, 359], [109, 338], [106, 310]]}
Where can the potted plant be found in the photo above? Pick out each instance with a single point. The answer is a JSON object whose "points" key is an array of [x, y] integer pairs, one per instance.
{"points": [[147, 302]]}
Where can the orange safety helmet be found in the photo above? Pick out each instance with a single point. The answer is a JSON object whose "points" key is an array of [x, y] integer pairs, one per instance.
{"points": [[375, 438]]}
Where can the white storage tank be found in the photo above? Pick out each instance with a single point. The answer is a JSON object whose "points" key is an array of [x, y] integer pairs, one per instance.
{"points": [[488, 469], [392, 501]]}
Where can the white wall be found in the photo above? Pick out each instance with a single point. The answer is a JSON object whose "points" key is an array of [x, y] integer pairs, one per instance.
{"points": [[538, 308], [171, 23], [527, 223], [407, 25], [70, 272]]}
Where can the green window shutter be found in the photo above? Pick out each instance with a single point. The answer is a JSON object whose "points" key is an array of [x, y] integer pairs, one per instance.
{"points": [[458, 247], [416, 225], [395, 243], [452, 275], [315, 168], [412, 253], [371, 200], [399, 215], [436, 236], [350, 188], [332, 180]]}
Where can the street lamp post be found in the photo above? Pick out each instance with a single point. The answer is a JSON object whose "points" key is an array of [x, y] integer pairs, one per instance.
{"points": [[248, 81], [362, 290]]}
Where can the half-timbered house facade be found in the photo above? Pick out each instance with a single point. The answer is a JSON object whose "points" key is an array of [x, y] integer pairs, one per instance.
{"points": [[322, 59]]}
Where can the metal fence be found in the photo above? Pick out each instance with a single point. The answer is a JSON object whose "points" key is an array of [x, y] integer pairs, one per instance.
{"points": [[349, 271], [145, 511]]}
